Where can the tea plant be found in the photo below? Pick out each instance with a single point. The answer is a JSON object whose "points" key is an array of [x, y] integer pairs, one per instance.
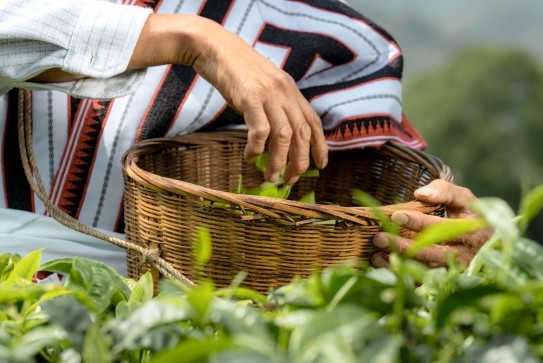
{"points": [[489, 311]]}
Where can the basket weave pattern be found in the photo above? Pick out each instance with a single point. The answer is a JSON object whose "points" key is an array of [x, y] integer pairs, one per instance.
{"points": [[174, 186]]}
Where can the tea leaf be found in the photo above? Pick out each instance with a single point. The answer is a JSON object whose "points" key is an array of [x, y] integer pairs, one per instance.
{"points": [[309, 198], [95, 347], [100, 281], [195, 350], [462, 298], [445, 231], [311, 173], [261, 161], [202, 250], [530, 206], [26, 268]]}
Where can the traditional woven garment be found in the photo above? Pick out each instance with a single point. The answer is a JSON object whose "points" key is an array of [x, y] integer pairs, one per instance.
{"points": [[347, 67]]}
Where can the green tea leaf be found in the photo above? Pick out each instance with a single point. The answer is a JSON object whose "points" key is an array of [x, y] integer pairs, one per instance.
{"points": [[261, 161], [195, 350], [100, 281], [241, 292], [528, 257], [366, 200], [346, 323], [499, 216], [202, 249], [62, 265], [35, 340], [501, 349], [95, 347], [309, 198], [443, 232], [311, 173], [26, 268], [128, 332], [462, 298], [530, 206], [143, 289], [200, 298]]}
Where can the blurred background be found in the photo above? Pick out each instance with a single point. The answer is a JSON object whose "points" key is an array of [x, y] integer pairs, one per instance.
{"points": [[473, 86]]}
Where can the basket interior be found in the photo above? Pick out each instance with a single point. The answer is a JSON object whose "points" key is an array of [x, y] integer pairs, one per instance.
{"points": [[218, 166]]}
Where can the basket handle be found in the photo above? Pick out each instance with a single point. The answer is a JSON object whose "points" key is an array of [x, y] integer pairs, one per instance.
{"points": [[24, 126]]}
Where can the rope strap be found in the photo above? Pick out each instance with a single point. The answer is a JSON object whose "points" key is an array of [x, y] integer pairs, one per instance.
{"points": [[24, 125]]}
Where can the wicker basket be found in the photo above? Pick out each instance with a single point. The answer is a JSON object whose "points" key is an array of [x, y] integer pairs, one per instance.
{"points": [[173, 186]]}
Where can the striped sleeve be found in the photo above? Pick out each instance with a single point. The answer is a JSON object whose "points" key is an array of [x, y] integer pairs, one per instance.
{"points": [[93, 38]]}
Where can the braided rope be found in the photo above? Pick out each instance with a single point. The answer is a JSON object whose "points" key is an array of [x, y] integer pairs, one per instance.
{"points": [[24, 125]]}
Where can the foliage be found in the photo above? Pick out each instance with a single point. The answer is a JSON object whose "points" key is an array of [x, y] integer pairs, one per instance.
{"points": [[490, 311]]}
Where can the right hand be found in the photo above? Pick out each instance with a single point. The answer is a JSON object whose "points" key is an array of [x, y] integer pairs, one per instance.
{"points": [[273, 107]]}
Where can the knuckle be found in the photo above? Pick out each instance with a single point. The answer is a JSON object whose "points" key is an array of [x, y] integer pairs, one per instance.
{"points": [[303, 131], [282, 79], [261, 132], [254, 95], [298, 166], [283, 134]]}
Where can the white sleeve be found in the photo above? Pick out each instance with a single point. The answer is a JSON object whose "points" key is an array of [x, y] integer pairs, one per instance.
{"points": [[93, 38]]}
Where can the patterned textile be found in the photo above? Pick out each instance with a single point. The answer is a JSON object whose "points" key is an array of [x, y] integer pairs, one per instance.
{"points": [[346, 66]]}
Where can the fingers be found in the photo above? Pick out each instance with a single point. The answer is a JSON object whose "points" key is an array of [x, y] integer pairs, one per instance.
{"points": [[414, 221], [258, 131], [441, 191], [433, 256], [275, 111], [290, 126]]}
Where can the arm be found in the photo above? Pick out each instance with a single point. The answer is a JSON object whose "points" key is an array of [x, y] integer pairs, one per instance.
{"points": [[267, 97], [456, 200], [273, 108]]}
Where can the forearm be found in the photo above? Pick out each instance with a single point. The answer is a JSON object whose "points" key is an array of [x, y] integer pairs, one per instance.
{"points": [[164, 39]]}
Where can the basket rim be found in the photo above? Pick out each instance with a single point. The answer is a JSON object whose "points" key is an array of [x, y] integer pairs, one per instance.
{"points": [[276, 208]]}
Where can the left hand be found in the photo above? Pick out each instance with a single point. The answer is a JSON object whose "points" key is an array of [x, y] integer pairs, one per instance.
{"points": [[456, 200]]}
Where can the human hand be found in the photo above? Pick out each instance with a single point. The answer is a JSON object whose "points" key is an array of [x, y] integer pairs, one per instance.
{"points": [[456, 200], [273, 107]]}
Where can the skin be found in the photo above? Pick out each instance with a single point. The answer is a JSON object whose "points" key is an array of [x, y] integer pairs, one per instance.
{"points": [[274, 109], [456, 200]]}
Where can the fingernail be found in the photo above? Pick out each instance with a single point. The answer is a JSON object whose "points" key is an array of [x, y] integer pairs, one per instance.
{"points": [[324, 161], [274, 177], [399, 218], [381, 241], [426, 191], [293, 180], [378, 260]]}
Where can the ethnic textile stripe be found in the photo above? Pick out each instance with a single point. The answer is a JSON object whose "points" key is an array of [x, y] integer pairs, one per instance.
{"points": [[348, 68]]}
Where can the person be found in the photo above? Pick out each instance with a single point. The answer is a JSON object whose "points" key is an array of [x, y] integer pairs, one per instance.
{"points": [[305, 77], [456, 200]]}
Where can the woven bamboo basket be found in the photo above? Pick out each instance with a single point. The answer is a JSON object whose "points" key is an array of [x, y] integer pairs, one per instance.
{"points": [[174, 186]]}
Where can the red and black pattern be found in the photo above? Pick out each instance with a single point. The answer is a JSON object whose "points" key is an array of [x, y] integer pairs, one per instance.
{"points": [[79, 166]]}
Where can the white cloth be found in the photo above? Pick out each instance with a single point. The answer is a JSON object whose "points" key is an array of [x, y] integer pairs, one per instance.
{"points": [[92, 38], [23, 232]]}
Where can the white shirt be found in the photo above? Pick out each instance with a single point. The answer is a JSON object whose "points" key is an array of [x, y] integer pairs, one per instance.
{"points": [[93, 38]]}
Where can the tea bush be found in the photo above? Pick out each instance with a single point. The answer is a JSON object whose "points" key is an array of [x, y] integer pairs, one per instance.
{"points": [[489, 311]]}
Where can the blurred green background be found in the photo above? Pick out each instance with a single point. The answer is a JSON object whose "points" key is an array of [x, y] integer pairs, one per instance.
{"points": [[473, 86]]}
